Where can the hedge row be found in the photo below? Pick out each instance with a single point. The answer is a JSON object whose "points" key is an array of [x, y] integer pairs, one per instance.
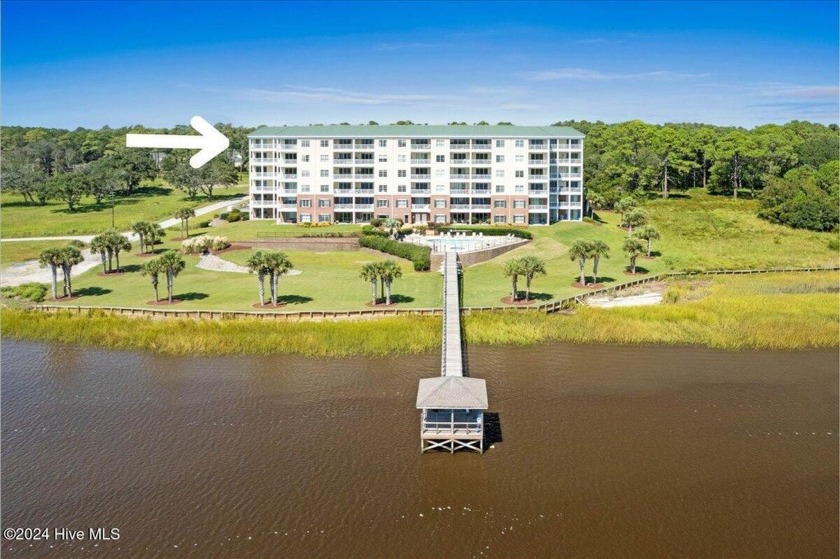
{"points": [[420, 256], [491, 231]]}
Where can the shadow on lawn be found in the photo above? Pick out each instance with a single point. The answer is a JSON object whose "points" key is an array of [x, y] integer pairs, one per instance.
{"points": [[293, 299], [601, 279], [191, 296], [401, 299], [92, 291], [538, 296]]}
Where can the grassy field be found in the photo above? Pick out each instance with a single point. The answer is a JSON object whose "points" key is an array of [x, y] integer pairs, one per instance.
{"points": [[11, 253], [150, 202], [329, 280], [773, 311]]}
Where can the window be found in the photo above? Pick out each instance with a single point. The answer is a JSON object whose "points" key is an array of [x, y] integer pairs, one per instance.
{"points": [[383, 173], [305, 218], [306, 158], [520, 143], [325, 158], [574, 184], [500, 204], [401, 188], [323, 203], [304, 188], [440, 203], [440, 218], [500, 159], [382, 203], [500, 172], [520, 174], [305, 203], [402, 203], [440, 188], [401, 159], [304, 173], [520, 158], [324, 218], [575, 142], [325, 172], [498, 219], [383, 188], [383, 158], [440, 158], [401, 143], [500, 189], [325, 188], [401, 173], [440, 143], [383, 143], [519, 204], [325, 143], [304, 143], [500, 143], [440, 172], [520, 188]]}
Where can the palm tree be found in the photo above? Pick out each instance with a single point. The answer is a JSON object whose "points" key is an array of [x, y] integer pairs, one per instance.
{"points": [[633, 248], [531, 266], [70, 256], [52, 257], [141, 229], [153, 235], [392, 224], [580, 251], [625, 204], [153, 268], [598, 249], [370, 273], [256, 263], [171, 264], [389, 271], [116, 244], [277, 264], [100, 244], [184, 214], [513, 269], [596, 202], [635, 217], [648, 233]]}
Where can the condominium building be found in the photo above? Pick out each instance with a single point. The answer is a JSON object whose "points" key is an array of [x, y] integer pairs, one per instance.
{"points": [[417, 173]]}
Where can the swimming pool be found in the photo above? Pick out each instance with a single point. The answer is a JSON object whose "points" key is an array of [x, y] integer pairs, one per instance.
{"points": [[459, 242]]}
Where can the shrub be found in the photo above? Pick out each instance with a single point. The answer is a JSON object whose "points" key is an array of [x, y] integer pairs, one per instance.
{"points": [[406, 231], [198, 245], [369, 230], [375, 222], [245, 217], [203, 224], [324, 223], [420, 229], [224, 215], [492, 231], [834, 244], [420, 256], [234, 216], [673, 294], [35, 292], [78, 244]]}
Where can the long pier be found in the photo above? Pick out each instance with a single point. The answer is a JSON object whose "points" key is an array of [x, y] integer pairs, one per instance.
{"points": [[452, 405]]}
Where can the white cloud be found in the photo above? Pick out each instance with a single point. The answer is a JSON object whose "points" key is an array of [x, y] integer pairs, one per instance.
{"points": [[297, 94]]}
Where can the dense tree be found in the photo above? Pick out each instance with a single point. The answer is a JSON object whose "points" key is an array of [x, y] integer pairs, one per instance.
{"points": [[257, 264], [70, 256], [52, 257], [513, 269], [22, 175], [597, 249], [153, 269], [633, 247], [803, 198], [530, 267], [141, 229], [635, 217], [171, 264], [184, 214], [581, 251], [68, 187], [134, 165]]}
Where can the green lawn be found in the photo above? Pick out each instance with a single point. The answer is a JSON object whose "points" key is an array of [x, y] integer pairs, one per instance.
{"points": [[150, 202], [328, 281], [266, 228], [11, 253]]}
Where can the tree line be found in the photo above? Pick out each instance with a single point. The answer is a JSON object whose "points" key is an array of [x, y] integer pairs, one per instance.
{"points": [[791, 169], [43, 164]]}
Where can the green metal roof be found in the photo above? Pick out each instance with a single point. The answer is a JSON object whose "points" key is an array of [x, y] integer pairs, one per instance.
{"points": [[416, 131]]}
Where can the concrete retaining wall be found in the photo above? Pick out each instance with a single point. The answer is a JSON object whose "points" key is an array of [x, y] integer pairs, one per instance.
{"points": [[317, 244], [474, 257]]}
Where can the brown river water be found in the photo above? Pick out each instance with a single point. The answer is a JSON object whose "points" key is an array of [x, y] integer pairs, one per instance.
{"points": [[597, 451]]}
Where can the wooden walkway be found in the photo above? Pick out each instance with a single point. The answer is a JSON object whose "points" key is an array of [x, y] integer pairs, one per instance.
{"points": [[452, 362]]}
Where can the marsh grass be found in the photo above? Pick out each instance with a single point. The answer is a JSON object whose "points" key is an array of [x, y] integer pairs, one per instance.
{"points": [[737, 313]]}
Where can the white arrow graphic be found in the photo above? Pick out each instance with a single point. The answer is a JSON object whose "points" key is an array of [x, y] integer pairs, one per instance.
{"points": [[211, 142]]}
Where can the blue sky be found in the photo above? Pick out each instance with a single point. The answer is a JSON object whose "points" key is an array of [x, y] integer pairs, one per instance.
{"points": [[67, 64]]}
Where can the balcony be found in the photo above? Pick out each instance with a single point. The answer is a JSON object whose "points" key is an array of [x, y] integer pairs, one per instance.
{"points": [[290, 175], [459, 191], [421, 161], [537, 207], [421, 190], [460, 206], [288, 207], [459, 146], [289, 191], [482, 162], [480, 176], [363, 147], [363, 176], [421, 176], [420, 207], [345, 162], [537, 162], [342, 147], [262, 175], [537, 147], [263, 161], [363, 161], [480, 207], [460, 161]]}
